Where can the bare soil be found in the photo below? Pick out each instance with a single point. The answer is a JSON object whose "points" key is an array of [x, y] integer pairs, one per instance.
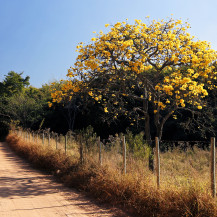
{"points": [[25, 192]]}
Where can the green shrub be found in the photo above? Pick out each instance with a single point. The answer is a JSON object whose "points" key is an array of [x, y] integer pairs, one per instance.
{"points": [[137, 145]]}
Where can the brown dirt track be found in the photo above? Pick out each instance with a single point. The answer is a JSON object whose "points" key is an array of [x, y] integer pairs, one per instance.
{"points": [[25, 192]]}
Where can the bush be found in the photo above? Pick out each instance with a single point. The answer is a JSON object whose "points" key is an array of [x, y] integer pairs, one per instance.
{"points": [[137, 145]]}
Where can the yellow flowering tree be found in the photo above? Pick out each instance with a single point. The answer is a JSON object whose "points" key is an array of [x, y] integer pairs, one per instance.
{"points": [[146, 71]]}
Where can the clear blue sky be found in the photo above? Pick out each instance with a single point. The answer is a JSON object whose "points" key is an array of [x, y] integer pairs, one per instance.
{"points": [[39, 37]]}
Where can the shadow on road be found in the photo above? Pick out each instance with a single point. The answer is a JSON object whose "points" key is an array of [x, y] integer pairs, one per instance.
{"points": [[19, 179]]}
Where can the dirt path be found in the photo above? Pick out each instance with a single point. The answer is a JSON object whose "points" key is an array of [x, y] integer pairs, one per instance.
{"points": [[25, 192]]}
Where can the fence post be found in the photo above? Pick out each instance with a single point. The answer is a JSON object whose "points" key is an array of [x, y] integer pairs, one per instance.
{"points": [[124, 155], [81, 151], [100, 151], [157, 161], [65, 143], [43, 137], [56, 141], [213, 187], [48, 138]]}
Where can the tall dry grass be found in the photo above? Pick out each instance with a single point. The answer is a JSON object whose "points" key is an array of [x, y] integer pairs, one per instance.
{"points": [[185, 184]]}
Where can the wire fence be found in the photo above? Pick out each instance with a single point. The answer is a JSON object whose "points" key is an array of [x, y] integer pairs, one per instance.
{"points": [[116, 151]]}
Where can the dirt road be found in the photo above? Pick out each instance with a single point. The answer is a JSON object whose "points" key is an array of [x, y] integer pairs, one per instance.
{"points": [[28, 193]]}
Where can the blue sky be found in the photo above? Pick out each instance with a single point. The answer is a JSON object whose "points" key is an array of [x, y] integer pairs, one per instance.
{"points": [[39, 37]]}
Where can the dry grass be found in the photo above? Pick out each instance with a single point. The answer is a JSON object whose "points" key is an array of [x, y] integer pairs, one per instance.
{"points": [[184, 179]]}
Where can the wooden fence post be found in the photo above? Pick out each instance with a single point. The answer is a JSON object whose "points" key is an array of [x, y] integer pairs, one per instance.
{"points": [[48, 138], [100, 151], [43, 138], [213, 185], [65, 143], [124, 155], [56, 141], [81, 150], [157, 161]]}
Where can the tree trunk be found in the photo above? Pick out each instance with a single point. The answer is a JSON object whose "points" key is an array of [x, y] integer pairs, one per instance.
{"points": [[159, 131], [148, 132], [71, 114], [147, 128], [148, 139]]}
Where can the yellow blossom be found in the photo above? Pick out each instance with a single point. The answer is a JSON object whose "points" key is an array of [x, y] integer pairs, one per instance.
{"points": [[90, 93]]}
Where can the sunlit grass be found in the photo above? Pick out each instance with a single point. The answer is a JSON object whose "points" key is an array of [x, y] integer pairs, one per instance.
{"points": [[185, 176]]}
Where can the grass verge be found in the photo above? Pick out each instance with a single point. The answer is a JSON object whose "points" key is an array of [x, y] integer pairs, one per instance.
{"points": [[133, 191]]}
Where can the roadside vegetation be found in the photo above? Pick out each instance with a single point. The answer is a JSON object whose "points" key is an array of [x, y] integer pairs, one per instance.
{"points": [[185, 182]]}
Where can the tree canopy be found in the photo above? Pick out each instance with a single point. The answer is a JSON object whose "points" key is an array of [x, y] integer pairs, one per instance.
{"points": [[160, 66], [13, 83]]}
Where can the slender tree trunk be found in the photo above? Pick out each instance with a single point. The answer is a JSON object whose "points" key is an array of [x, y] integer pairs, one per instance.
{"points": [[73, 120], [70, 115], [159, 124], [159, 131], [147, 128], [148, 139], [148, 134]]}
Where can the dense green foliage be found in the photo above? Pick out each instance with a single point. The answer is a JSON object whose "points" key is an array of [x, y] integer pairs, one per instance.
{"points": [[27, 106]]}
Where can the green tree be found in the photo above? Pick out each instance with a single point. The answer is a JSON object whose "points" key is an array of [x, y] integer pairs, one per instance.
{"points": [[13, 84], [23, 109], [22, 103]]}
